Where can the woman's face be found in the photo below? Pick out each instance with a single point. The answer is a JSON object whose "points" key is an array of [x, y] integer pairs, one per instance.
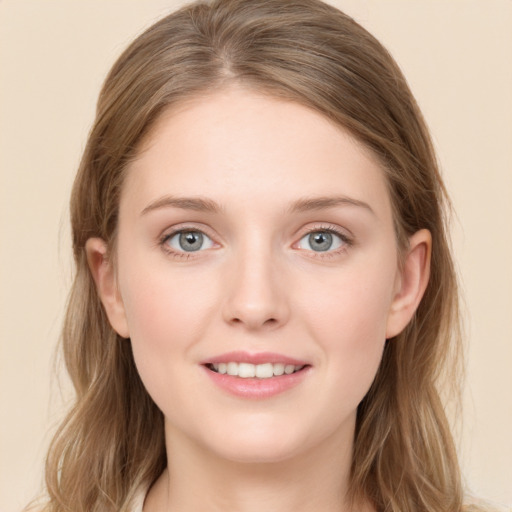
{"points": [[256, 236]]}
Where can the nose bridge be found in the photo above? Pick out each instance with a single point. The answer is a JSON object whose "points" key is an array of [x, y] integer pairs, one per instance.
{"points": [[256, 295]]}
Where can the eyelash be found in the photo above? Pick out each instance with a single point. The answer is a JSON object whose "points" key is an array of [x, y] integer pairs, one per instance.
{"points": [[181, 255], [334, 230]]}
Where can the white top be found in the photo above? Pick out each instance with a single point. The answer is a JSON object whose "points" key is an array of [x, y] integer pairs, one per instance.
{"points": [[139, 502]]}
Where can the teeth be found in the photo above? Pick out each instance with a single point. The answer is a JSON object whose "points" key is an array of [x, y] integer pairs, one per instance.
{"points": [[289, 368], [260, 371], [246, 370], [264, 371], [278, 369], [232, 369]]}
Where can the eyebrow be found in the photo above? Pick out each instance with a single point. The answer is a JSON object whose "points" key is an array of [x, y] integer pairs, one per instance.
{"points": [[324, 202], [201, 204], [198, 204]]}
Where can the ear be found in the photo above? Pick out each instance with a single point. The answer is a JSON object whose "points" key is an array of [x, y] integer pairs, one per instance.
{"points": [[411, 282], [103, 273]]}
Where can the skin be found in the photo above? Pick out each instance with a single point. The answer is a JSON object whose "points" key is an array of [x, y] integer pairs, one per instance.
{"points": [[257, 285]]}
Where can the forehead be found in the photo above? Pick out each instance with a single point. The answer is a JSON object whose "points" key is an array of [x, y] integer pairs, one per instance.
{"points": [[236, 144]]}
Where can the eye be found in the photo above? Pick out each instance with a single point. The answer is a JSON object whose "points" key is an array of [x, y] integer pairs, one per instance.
{"points": [[322, 241], [189, 241]]}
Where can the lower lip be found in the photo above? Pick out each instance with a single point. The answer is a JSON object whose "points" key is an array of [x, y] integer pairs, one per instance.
{"points": [[257, 388]]}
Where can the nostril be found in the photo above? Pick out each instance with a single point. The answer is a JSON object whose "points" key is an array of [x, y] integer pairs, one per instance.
{"points": [[254, 322]]}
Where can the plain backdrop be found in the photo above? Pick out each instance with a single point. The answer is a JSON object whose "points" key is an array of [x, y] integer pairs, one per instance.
{"points": [[54, 54]]}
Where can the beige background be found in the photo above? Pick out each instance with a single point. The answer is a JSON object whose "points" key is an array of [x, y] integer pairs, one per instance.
{"points": [[457, 55]]}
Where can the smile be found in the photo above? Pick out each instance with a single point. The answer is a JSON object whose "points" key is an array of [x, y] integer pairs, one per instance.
{"points": [[258, 371], [256, 375]]}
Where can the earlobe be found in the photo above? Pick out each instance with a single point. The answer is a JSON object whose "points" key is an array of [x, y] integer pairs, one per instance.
{"points": [[103, 274], [412, 282]]}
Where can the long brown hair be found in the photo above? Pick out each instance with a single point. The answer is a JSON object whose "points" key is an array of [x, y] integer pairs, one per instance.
{"points": [[111, 444]]}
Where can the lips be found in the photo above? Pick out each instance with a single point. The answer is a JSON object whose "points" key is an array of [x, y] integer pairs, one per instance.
{"points": [[257, 358], [260, 375]]}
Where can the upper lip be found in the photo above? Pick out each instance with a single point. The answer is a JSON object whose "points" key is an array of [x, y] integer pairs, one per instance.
{"points": [[254, 358]]}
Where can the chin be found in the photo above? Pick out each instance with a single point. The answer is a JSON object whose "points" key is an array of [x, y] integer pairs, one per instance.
{"points": [[259, 444], [257, 453]]}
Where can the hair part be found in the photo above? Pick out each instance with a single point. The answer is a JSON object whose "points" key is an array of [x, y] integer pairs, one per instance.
{"points": [[112, 442]]}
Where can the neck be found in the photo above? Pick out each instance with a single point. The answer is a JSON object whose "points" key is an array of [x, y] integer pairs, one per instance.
{"points": [[200, 480]]}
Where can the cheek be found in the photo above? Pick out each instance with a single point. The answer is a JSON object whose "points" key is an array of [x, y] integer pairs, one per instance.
{"points": [[159, 299], [167, 318], [167, 315], [349, 322], [355, 303]]}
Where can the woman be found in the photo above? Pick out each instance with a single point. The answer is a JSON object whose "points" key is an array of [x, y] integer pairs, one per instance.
{"points": [[265, 302]]}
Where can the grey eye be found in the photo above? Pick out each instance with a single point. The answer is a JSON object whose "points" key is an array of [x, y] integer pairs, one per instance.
{"points": [[320, 241], [190, 241]]}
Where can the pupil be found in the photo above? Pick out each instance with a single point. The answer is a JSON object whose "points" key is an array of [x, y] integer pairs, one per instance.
{"points": [[320, 241], [191, 241]]}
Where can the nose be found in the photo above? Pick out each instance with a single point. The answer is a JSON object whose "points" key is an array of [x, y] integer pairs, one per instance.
{"points": [[257, 297]]}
